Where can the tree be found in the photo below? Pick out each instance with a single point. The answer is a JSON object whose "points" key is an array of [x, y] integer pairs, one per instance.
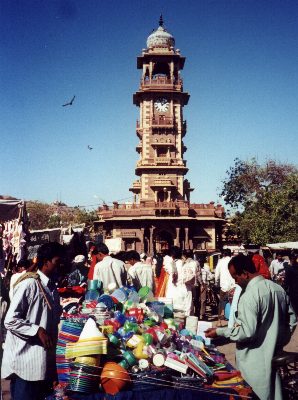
{"points": [[268, 200], [43, 215], [247, 181], [38, 214]]}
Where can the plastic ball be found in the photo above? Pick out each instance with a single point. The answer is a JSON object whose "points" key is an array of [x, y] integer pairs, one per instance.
{"points": [[114, 378]]}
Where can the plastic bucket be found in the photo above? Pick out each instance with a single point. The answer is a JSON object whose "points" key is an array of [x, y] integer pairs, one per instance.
{"points": [[120, 295], [145, 293], [158, 307]]}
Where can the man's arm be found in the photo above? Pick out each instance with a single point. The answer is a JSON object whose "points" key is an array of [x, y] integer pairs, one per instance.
{"points": [[16, 320], [271, 269], [96, 271], [292, 318], [123, 275], [245, 326], [217, 274]]}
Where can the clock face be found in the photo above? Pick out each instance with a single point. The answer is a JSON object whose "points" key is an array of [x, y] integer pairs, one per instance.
{"points": [[161, 105]]}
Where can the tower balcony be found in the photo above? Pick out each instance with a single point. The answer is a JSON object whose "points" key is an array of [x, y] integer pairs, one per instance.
{"points": [[162, 182], [161, 83], [158, 162], [136, 187], [162, 122], [139, 129], [165, 205], [139, 147], [163, 143]]}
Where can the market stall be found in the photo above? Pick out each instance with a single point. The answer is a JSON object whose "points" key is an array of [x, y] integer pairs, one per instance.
{"points": [[128, 345], [13, 231]]}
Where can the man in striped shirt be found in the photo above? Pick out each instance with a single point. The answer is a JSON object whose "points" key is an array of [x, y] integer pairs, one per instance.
{"points": [[32, 327]]}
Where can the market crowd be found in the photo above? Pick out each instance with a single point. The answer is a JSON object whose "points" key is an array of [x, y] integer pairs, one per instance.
{"points": [[262, 302]]}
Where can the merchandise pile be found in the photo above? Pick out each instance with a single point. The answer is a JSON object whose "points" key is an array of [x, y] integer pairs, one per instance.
{"points": [[128, 340]]}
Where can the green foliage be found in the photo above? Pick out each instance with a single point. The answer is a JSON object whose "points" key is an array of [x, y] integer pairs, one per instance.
{"points": [[269, 197], [247, 181], [43, 215], [38, 213]]}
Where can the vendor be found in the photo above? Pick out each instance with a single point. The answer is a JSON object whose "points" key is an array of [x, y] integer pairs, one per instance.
{"points": [[263, 327]]}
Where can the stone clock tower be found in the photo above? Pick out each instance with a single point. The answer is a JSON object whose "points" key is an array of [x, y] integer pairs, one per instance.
{"points": [[161, 214], [161, 127]]}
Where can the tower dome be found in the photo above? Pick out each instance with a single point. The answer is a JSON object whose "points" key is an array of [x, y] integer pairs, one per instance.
{"points": [[160, 38]]}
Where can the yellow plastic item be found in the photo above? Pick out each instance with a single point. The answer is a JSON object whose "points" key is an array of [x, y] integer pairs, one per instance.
{"points": [[93, 361]]}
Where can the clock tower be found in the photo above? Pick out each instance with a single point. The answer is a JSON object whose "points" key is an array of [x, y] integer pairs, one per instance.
{"points": [[161, 214], [161, 128]]}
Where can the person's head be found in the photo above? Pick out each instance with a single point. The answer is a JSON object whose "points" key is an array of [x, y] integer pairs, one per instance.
{"points": [[175, 252], [242, 269], [143, 257], [187, 253], [79, 259], [279, 256], [121, 255], [49, 257], [132, 257], [293, 259], [23, 265], [227, 253], [102, 251]]}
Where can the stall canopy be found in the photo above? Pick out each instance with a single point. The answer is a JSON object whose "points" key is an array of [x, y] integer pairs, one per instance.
{"points": [[11, 209], [283, 246]]}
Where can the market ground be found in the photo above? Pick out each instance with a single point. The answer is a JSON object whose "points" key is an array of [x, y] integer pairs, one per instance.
{"points": [[227, 348]]}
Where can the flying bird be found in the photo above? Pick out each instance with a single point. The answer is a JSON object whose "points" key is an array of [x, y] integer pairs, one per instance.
{"points": [[69, 103], [89, 147]]}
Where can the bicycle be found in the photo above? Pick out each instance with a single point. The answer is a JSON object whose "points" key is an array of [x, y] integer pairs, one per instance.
{"points": [[286, 364]]}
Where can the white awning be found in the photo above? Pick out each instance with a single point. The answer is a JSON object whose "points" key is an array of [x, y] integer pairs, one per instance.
{"points": [[280, 246]]}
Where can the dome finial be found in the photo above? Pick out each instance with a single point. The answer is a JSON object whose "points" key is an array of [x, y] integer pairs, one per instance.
{"points": [[160, 20]]}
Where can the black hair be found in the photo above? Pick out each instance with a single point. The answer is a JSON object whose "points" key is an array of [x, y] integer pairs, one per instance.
{"points": [[102, 248], [121, 255], [133, 255], [175, 252], [227, 252], [242, 263], [23, 264], [48, 251], [188, 253]]}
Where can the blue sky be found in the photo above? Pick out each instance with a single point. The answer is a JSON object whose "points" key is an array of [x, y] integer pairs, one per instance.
{"points": [[241, 71]]}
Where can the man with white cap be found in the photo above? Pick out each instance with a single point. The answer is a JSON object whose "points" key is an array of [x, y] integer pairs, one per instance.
{"points": [[143, 257], [79, 271]]}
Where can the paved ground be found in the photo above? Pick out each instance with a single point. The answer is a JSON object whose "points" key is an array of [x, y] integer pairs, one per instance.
{"points": [[227, 348]]}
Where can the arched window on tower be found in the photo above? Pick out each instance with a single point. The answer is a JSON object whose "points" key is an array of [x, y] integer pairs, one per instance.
{"points": [[161, 72], [161, 196]]}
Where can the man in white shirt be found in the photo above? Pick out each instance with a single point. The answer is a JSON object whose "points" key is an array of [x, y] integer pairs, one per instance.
{"points": [[224, 280], [191, 280], [110, 271], [276, 266], [140, 272], [29, 358]]}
